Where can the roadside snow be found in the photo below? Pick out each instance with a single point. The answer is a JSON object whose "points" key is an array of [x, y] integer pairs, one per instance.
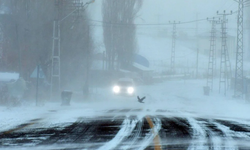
{"points": [[175, 98]]}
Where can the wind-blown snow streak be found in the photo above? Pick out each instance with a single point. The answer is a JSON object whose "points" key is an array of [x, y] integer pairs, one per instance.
{"points": [[150, 137], [127, 127], [199, 135], [228, 140], [216, 141], [135, 136], [201, 140]]}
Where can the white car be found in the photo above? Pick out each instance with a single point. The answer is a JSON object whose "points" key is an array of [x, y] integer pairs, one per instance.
{"points": [[124, 86]]}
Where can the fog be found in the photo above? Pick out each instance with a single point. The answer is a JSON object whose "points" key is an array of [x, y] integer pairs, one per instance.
{"points": [[87, 52], [174, 10], [153, 40]]}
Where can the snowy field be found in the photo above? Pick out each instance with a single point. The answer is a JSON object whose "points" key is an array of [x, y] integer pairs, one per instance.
{"points": [[181, 97]]}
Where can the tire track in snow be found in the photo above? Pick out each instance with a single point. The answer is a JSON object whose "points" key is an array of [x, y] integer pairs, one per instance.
{"points": [[126, 129]]}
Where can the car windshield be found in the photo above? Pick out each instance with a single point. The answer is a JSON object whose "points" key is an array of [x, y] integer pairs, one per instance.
{"points": [[125, 74]]}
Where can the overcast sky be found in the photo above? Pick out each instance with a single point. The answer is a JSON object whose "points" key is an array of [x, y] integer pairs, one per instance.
{"points": [[162, 11]]}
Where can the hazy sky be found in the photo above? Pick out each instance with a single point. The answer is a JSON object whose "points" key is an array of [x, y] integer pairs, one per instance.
{"points": [[183, 10], [162, 11]]}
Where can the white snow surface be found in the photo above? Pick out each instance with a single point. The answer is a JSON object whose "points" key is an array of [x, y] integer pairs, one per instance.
{"points": [[183, 98]]}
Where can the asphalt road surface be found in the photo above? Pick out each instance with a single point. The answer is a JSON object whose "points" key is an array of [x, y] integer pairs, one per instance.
{"points": [[131, 132]]}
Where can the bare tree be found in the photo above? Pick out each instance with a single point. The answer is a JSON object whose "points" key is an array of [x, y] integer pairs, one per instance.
{"points": [[28, 27], [119, 31]]}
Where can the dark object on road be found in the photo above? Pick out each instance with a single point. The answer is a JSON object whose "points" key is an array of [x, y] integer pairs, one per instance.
{"points": [[140, 99], [66, 96], [206, 90]]}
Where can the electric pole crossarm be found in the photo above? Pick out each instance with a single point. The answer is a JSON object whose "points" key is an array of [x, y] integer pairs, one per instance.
{"points": [[78, 7]]}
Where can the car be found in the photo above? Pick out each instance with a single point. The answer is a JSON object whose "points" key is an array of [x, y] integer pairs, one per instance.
{"points": [[124, 86]]}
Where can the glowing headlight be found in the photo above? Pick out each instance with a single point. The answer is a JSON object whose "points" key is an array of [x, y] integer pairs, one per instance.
{"points": [[130, 90], [116, 89]]}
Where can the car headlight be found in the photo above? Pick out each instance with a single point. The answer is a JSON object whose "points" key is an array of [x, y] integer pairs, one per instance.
{"points": [[116, 89], [130, 90]]}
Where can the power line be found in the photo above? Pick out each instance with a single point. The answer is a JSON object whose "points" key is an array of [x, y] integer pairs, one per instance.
{"points": [[225, 2], [152, 24]]}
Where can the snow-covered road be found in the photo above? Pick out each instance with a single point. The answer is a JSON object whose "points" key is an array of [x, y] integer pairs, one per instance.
{"points": [[131, 132]]}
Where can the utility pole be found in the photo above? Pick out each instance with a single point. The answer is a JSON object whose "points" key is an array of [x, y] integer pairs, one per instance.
{"points": [[56, 44], [197, 47], [86, 83], [197, 62], [37, 81], [239, 84], [19, 50], [56, 52], [225, 66], [109, 53], [172, 64], [26, 46], [1, 44], [211, 60]]}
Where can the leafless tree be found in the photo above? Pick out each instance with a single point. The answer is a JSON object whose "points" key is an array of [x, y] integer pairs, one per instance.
{"points": [[28, 27], [119, 31]]}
